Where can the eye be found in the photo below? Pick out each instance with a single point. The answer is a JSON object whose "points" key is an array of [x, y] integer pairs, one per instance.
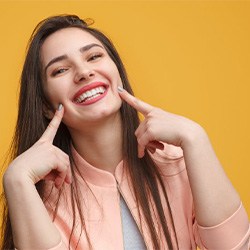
{"points": [[59, 71], [95, 56]]}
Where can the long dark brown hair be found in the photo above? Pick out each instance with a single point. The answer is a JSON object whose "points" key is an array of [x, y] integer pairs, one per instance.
{"points": [[32, 122]]}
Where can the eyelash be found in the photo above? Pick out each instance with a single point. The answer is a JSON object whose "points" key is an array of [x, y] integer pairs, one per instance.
{"points": [[58, 71], [95, 56], [91, 58]]}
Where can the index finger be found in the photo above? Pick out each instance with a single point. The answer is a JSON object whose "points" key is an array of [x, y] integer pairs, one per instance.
{"points": [[136, 103], [50, 132]]}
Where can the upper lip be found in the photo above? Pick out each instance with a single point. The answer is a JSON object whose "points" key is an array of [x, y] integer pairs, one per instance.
{"points": [[89, 87]]}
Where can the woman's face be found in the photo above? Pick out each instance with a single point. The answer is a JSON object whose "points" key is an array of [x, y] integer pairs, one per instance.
{"points": [[79, 73]]}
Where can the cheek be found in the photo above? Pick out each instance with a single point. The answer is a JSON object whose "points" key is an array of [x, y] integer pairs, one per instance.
{"points": [[55, 93], [111, 72], [116, 79]]}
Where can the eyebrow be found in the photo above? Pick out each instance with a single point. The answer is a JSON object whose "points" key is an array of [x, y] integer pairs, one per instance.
{"points": [[63, 57]]}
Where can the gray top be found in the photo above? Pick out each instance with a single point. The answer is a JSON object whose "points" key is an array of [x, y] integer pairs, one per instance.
{"points": [[132, 237]]}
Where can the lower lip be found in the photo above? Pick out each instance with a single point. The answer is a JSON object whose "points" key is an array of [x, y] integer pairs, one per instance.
{"points": [[94, 100]]}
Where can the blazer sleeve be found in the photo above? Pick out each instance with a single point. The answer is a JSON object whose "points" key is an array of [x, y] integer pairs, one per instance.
{"points": [[231, 234]]}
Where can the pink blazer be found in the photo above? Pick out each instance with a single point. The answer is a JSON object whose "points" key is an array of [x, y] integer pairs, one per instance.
{"points": [[101, 193]]}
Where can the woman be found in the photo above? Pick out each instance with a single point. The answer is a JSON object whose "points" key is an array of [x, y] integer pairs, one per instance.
{"points": [[87, 174]]}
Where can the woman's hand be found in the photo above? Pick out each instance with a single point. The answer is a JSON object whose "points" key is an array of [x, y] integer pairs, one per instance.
{"points": [[160, 126], [43, 160], [210, 187], [28, 214]]}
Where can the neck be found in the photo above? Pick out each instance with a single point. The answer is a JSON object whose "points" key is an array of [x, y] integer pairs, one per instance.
{"points": [[100, 144]]}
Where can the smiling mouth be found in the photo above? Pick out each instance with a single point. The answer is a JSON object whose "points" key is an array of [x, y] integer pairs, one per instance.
{"points": [[90, 94]]}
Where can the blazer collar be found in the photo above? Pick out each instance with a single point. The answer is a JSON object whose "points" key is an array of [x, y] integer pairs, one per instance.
{"points": [[94, 175]]}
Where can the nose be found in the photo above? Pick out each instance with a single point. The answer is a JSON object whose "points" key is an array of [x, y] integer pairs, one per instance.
{"points": [[84, 74]]}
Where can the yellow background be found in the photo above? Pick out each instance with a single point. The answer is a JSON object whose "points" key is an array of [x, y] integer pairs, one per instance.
{"points": [[190, 58]]}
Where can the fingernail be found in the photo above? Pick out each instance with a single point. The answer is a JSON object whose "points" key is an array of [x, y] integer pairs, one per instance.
{"points": [[120, 89], [60, 107]]}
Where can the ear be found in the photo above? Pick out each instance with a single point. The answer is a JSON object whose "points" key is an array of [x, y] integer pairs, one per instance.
{"points": [[48, 111]]}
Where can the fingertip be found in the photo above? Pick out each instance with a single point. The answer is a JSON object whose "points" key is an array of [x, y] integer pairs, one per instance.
{"points": [[58, 182], [141, 155], [120, 89], [141, 152], [68, 179], [60, 110], [69, 182], [60, 106]]}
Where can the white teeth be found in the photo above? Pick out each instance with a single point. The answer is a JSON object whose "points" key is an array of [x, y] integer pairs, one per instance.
{"points": [[90, 94], [94, 92]]}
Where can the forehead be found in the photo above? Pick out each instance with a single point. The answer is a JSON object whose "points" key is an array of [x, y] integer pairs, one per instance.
{"points": [[65, 41]]}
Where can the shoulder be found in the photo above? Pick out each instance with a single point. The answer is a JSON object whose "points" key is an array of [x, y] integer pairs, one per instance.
{"points": [[170, 160]]}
